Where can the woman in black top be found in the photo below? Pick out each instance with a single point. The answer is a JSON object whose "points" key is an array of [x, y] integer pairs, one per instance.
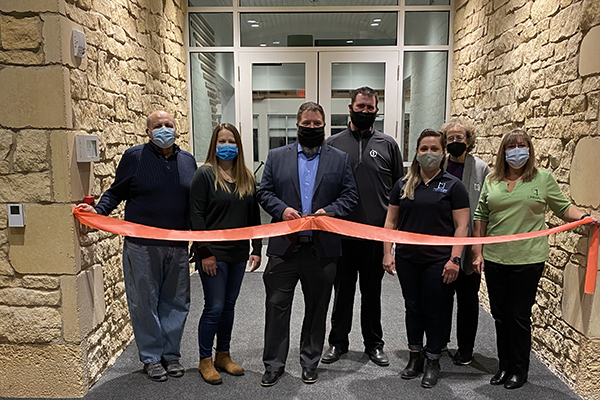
{"points": [[431, 201], [222, 196]]}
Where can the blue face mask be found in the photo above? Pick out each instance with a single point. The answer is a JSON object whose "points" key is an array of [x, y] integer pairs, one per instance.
{"points": [[227, 151], [163, 137], [517, 157]]}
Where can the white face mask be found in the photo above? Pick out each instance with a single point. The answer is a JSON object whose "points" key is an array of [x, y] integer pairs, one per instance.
{"points": [[430, 161], [517, 157]]}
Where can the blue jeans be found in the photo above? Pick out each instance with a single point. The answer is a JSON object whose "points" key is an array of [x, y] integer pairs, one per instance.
{"points": [[220, 294], [157, 283]]}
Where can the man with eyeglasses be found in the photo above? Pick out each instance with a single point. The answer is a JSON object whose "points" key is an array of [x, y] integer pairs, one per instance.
{"points": [[460, 140]]}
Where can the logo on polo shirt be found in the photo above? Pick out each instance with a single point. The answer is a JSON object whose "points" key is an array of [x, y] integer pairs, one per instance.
{"points": [[373, 153], [535, 194], [441, 188]]}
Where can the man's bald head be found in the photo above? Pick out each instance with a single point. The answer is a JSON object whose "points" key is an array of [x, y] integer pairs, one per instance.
{"points": [[158, 119]]}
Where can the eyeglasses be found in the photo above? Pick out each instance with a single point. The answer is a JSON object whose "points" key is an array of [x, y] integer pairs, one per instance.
{"points": [[457, 138]]}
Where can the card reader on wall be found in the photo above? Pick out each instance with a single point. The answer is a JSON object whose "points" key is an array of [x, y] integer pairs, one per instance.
{"points": [[86, 147], [16, 216]]}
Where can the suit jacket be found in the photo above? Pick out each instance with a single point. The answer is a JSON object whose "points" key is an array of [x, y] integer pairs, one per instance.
{"points": [[334, 191]]}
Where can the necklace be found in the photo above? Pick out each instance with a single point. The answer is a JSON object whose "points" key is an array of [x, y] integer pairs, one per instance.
{"points": [[226, 175]]}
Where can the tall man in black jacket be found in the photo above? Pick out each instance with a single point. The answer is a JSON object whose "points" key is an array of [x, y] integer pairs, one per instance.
{"points": [[154, 181], [302, 178], [377, 165]]}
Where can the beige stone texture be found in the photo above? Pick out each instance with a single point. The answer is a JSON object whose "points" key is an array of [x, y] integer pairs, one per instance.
{"points": [[83, 306], [590, 14], [589, 61], [20, 33], [35, 97], [25, 188], [71, 181], [33, 6], [29, 325], [31, 152], [47, 244], [23, 297], [587, 383], [584, 170], [61, 50], [40, 282], [42, 371], [21, 57]]}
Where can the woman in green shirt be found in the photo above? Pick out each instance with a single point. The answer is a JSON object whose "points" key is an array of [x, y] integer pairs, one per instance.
{"points": [[513, 200]]}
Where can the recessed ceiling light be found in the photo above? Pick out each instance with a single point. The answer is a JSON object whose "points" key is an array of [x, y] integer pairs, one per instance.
{"points": [[276, 42], [349, 41], [263, 45], [251, 21], [374, 24], [255, 25], [377, 20]]}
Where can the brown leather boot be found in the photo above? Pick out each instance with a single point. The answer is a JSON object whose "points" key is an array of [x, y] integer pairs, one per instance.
{"points": [[208, 371], [223, 363]]}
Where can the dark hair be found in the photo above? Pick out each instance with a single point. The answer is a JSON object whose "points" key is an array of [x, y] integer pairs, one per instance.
{"points": [[309, 106], [365, 91]]}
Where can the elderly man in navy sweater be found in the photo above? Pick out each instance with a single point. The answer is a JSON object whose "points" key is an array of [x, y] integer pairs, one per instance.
{"points": [[154, 181]]}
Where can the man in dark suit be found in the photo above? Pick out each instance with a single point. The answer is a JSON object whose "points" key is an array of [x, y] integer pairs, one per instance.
{"points": [[302, 178]]}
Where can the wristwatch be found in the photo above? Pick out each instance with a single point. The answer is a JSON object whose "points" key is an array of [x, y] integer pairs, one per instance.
{"points": [[456, 260]]}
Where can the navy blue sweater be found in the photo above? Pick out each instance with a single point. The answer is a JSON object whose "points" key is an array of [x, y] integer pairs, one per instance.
{"points": [[155, 190]]}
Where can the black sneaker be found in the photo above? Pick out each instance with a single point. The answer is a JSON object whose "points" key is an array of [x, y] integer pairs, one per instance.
{"points": [[174, 368], [155, 371], [462, 358]]}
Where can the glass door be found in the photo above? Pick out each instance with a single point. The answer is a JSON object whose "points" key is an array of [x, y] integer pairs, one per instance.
{"points": [[272, 87], [342, 72]]}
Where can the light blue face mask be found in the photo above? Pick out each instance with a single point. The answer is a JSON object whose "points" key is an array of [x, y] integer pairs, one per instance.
{"points": [[163, 137], [227, 151], [517, 157]]}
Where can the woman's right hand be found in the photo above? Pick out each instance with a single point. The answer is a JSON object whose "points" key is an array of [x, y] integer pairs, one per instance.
{"points": [[209, 265], [478, 262], [389, 264]]}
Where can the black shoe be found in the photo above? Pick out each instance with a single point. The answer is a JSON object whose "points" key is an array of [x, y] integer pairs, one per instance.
{"points": [[462, 357], [499, 378], [432, 373], [377, 355], [414, 366], [174, 368], [155, 371], [515, 381], [332, 354], [309, 375], [270, 378]]}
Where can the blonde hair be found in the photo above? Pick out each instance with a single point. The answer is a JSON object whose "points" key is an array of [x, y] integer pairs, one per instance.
{"points": [[501, 170], [413, 178], [244, 179]]}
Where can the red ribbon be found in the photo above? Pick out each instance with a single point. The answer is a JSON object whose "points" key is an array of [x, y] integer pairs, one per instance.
{"points": [[333, 225]]}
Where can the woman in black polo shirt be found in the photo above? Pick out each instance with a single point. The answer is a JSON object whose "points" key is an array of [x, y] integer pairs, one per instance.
{"points": [[431, 201]]}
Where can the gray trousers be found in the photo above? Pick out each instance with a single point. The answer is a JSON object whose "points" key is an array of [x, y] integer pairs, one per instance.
{"points": [[157, 284]]}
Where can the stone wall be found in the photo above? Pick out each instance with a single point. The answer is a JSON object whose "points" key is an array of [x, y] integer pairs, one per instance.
{"points": [[536, 65], [63, 311]]}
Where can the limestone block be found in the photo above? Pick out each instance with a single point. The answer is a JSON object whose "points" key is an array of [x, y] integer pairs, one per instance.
{"points": [[32, 6], [22, 188], [6, 142], [576, 306], [589, 62], [42, 371], [27, 297], [29, 325], [542, 9], [79, 84], [40, 282], [590, 15], [47, 245], [20, 33], [21, 57], [5, 267], [565, 23], [584, 170], [587, 383], [35, 97], [58, 40], [31, 153], [83, 305]]}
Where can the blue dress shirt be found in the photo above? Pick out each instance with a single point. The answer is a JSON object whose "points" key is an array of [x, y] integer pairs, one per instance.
{"points": [[307, 173]]}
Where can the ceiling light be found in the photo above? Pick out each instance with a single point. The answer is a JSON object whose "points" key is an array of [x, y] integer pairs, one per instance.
{"points": [[349, 41], [276, 42], [251, 21], [373, 24], [377, 20], [263, 45], [255, 25]]}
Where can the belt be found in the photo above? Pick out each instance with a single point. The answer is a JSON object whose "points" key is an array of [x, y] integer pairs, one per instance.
{"points": [[304, 239]]}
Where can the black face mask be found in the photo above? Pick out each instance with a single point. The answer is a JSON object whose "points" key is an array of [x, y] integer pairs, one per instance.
{"points": [[311, 137], [457, 149], [362, 120]]}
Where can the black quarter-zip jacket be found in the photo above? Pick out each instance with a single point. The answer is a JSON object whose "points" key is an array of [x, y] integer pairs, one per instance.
{"points": [[377, 165]]}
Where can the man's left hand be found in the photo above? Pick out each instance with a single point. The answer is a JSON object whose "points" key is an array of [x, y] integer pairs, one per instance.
{"points": [[254, 263]]}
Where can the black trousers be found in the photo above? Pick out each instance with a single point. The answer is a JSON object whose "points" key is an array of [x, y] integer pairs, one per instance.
{"points": [[316, 275], [512, 290], [423, 291], [362, 259], [466, 288]]}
